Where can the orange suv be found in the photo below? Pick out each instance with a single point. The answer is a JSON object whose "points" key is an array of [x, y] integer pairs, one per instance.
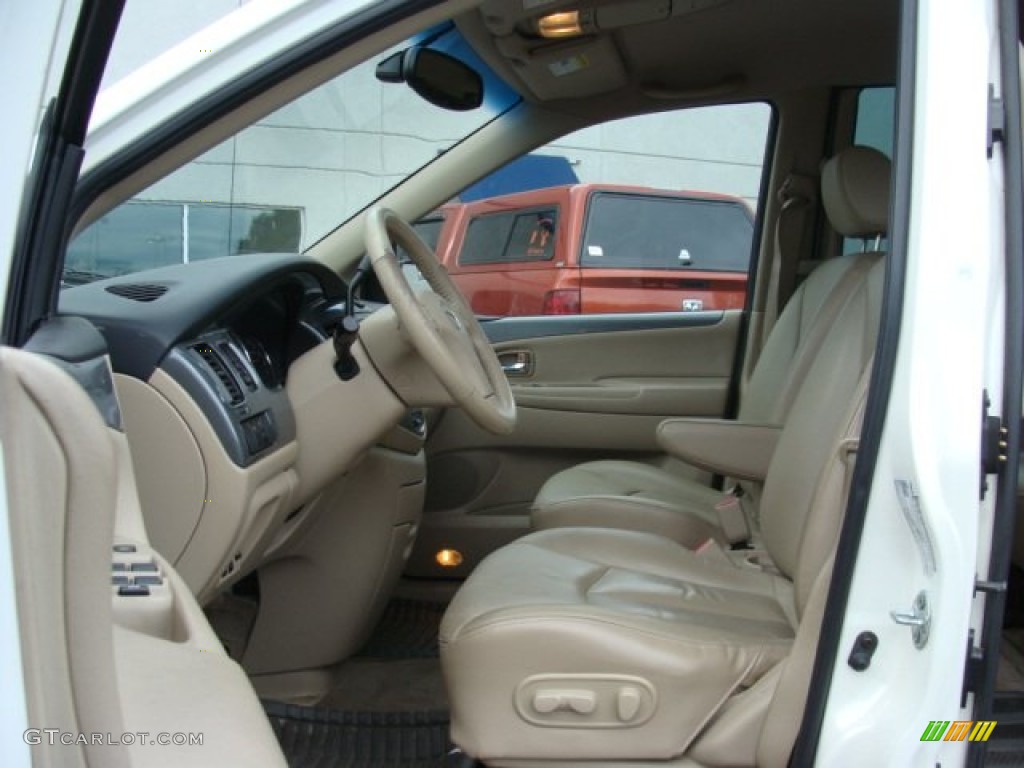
{"points": [[589, 248]]}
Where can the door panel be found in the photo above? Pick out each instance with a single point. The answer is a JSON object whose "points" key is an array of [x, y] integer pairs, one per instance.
{"points": [[117, 654], [672, 371], [594, 387]]}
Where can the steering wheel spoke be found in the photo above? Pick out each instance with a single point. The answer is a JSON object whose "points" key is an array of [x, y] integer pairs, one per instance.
{"points": [[439, 323]]}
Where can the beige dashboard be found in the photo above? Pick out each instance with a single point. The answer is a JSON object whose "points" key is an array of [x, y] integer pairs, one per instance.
{"points": [[215, 520]]}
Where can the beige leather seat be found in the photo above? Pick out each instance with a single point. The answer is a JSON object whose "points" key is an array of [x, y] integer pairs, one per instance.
{"points": [[644, 497], [589, 645]]}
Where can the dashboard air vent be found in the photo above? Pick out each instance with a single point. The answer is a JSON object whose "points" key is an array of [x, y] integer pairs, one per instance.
{"points": [[138, 291], [216, 364], [236, 362]]}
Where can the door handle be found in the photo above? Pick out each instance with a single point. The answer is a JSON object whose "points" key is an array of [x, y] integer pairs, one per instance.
{"points": [[518, 363]]}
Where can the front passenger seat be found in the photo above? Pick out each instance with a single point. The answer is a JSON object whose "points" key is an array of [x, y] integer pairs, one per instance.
{"points": [[636, 496], [590, 644]]}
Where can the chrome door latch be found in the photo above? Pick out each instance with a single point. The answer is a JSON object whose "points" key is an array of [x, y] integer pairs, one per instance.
{"points": [[919, 620], [517, 363]]}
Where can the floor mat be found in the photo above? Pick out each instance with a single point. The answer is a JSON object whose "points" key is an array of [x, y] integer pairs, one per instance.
{"points": [[1006, 747], [387, 685], [314, 737], [406, 630], [398, 669]]}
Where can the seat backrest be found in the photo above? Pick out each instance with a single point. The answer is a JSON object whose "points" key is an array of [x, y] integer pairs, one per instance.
{"points": [[801, 503], [855, 193]]}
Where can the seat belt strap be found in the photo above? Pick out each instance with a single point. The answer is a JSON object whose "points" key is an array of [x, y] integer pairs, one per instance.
{"points": [[795, 196], [732, 517]]}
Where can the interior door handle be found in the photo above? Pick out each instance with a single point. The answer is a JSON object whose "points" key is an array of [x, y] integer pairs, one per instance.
{"points": [[518, 363]]}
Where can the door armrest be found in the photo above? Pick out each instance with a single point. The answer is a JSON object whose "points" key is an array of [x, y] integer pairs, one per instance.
{"points": [[732, 448]]}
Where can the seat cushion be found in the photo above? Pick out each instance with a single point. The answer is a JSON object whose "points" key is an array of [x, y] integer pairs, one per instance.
{"points": [[598, 643], [628, 495]]}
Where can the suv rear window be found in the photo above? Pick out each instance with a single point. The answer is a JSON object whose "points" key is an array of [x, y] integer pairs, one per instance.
{"points": [[429, 231], [648, 232], [509, 237]]}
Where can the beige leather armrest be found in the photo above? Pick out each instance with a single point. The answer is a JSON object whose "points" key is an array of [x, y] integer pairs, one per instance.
{"points": [[732, 448]]}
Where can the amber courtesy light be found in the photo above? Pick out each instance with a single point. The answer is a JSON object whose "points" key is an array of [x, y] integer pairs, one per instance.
{"points": [[448, 558], [560, 25]]}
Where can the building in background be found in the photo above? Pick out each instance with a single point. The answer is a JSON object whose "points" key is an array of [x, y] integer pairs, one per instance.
{"points": [[289, 179]]}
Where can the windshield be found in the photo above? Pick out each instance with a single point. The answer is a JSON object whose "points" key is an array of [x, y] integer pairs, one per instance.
{"points": [[291, 178]]}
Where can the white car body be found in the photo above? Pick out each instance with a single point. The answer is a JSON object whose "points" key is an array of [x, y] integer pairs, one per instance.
{"points": [[951, 343], [35, 38]]}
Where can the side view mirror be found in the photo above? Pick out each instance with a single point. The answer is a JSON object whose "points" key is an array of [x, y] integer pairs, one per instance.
{"points": [[441, 79]]}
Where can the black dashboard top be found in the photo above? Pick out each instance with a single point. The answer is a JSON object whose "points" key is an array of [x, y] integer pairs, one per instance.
{"points": [[144, 315]]}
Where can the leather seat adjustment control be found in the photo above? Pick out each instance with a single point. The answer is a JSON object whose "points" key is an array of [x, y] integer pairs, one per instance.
{"points": [[551, 700], [585, 701]]}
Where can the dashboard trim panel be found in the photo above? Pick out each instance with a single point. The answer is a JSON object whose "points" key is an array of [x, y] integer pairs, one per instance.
{"points": [[250, 425]]}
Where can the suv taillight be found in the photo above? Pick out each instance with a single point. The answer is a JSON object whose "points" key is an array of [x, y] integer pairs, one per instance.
{"points": [[564, 302]]}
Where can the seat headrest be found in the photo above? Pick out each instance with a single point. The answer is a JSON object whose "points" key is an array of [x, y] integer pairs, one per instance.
{"points": [[855, 192]]}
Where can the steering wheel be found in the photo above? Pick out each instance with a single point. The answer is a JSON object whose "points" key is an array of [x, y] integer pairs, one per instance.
{"points": [[439, 324]]}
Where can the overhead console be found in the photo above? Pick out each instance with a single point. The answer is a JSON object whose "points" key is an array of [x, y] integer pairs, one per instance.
{"points": [[570, 49]]}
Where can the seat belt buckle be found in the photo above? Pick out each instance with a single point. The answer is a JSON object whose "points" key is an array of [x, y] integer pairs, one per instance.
{"points": [[731, 517]]}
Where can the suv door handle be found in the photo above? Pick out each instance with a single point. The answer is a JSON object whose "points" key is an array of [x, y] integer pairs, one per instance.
{"points": [[518, 363]]}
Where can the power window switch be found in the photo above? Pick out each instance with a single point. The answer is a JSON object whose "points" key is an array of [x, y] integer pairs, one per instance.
{"points": [[133, 590]]}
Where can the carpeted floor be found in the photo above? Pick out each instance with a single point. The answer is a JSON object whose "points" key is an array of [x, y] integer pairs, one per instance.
{"points": [[398, 669], [387, 685], [406, 630], [387, 707]]}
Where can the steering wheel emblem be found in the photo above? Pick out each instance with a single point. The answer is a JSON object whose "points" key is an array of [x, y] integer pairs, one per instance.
{"points": [[455, 320]]}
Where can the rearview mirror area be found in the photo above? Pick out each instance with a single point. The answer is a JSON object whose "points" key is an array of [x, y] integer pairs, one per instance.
{"points": [[439, 78]]}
